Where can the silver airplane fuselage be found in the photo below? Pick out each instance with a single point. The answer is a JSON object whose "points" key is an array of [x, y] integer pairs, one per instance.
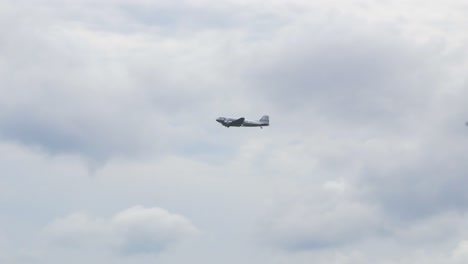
{"points": [[228, 122]]}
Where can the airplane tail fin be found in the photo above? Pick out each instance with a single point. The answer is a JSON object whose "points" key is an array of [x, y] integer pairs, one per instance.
{"points": [[265, 119]]}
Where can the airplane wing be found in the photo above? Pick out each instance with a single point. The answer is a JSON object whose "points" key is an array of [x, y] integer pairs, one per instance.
{"points": [[237, 122]]}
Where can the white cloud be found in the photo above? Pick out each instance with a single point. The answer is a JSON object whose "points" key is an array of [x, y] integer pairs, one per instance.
{"points": [[132, 231], [460, 253]]}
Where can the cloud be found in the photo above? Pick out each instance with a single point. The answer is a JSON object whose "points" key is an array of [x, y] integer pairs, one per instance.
{"points": [[363, 163], [393, 189], [136, 230], [76, 89], [460, 253], [347, 70], [317, 218], [429, 183]]}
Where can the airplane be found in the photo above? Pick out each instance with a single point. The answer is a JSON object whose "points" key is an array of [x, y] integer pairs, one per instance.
{"points": [[229, 122]]}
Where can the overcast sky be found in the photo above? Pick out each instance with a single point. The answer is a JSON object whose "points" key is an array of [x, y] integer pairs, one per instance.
{"points": [[110, 153]]}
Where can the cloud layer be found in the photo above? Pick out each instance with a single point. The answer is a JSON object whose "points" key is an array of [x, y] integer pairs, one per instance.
{"points": [[363, 163]]}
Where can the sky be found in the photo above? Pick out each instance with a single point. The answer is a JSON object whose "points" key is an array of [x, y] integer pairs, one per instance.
{"points": [[110, 152]]}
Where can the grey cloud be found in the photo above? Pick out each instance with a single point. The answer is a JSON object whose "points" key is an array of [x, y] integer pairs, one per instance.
{"points": [[430, 182], [363, 162], [193, 17], [371, 85], [77, 89], [397, 193], [346, 70], [310, 229], [70, 90], [319, 217], [162, 17]]}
